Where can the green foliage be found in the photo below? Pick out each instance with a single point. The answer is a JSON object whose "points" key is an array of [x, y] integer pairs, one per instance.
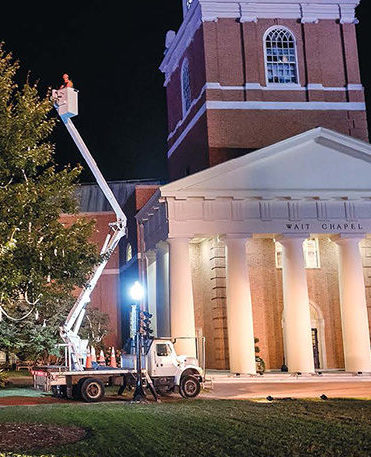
{"points": [[257, 348], [42, 259], [95, 327], [260, 364], [3, 379]]}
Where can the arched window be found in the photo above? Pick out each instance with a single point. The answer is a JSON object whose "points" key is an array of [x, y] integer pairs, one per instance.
{"points": [[186, 87], [129, 252], [280, 56]]}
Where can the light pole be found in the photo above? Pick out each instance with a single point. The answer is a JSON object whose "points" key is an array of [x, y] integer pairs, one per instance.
{"points": [[137, 294]]}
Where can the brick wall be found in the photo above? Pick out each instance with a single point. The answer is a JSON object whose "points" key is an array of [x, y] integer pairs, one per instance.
{"points": [[209, 293]]}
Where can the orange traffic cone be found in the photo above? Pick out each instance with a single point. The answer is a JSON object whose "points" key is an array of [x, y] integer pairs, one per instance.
{"points": [[102, 360], [88, 360], [93, 355], [113, 362]]}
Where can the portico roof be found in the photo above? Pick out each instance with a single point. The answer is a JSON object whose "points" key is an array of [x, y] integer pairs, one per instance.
{"points": [[318, 163]]}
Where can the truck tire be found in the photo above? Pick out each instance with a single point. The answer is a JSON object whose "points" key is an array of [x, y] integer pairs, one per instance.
{"points": [[189, 386], [92, 390]]}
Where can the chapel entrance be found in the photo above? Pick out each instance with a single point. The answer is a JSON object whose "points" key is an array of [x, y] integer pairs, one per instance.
{"points": [[315, 348], [317, 326]]}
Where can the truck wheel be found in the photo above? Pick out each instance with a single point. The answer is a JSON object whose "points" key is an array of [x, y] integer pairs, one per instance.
{"points": [[92, 390], [189, 387]]}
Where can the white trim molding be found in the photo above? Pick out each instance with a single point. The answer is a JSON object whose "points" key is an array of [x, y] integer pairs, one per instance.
{"points": [[257, 105], [257, 86], [298, 106], [189, 127], [180, 43], [111, 271], [185, 116], [286, 87]]}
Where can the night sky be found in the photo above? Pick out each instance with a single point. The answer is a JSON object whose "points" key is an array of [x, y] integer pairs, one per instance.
{"points": [[112, 54]]}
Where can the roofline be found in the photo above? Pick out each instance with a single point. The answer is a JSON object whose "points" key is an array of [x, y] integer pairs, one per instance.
{"points": [[129, 181], [173, 188]]}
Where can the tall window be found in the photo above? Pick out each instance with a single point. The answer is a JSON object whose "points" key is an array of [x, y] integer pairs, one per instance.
{"points": [[129, 252], [310, 250], [186, 87], [280, 57]]}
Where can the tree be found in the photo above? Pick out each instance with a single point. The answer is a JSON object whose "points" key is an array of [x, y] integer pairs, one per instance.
{"points": [[95, 327], [42, 260]]}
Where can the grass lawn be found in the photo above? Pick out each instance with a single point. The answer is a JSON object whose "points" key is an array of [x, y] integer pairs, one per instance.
{"points": [[209, 428], [17, 374]]}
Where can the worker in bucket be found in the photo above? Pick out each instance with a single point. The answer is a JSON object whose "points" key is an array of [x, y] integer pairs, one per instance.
{"points": [[66, 81]]}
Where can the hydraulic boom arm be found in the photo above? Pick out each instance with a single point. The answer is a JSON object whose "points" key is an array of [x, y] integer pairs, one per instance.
{"points": [[65, 102]]}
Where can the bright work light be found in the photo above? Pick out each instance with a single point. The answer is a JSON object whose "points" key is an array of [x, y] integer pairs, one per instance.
{"points": [[137, 291]]}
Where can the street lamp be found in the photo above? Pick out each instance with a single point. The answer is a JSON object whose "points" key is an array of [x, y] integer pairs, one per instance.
{"points": [[137, 294]]}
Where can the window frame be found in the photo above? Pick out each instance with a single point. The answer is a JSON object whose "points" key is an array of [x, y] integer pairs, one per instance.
{"points": [[185, 108], [305, 254], [168, 350], [305, 249], [274, 85]]}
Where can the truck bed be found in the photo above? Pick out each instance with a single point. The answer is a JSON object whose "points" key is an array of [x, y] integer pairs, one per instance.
{"points": [[46, 377]]}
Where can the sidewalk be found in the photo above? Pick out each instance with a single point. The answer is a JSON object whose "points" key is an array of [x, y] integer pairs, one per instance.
{"points": [[223, 385]]}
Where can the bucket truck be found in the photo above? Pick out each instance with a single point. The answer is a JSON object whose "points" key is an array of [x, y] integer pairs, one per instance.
{"points": [[162, 369]]}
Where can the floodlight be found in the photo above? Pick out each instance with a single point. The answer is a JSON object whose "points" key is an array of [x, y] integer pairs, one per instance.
{"points": [[137, 291]]}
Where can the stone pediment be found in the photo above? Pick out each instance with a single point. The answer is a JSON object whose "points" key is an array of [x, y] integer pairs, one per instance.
{"points": [[318, 163]]}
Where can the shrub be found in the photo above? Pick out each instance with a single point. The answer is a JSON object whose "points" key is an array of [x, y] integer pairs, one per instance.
{"points": [[3, 379]]}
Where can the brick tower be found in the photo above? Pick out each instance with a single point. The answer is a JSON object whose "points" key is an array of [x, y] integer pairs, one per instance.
{"points": [[242, 75]]}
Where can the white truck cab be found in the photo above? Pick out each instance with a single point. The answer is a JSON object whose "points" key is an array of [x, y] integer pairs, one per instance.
{"points": [[168, 371]]}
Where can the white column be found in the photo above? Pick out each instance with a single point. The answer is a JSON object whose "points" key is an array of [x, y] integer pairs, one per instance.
{"points": [[181, 296], [356, 334], [239, 308], [162, 290], [296, 314], [151, 288]]}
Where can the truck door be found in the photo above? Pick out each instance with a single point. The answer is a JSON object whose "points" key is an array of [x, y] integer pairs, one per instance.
{"points": [[165, 363]]}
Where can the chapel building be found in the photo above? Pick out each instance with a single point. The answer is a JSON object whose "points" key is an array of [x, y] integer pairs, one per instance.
{"points": [[265, 230]]}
